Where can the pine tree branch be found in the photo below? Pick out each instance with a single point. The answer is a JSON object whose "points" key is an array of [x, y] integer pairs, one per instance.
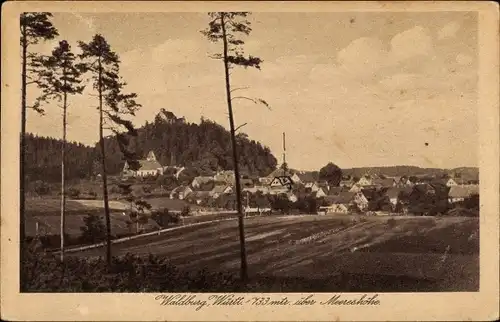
{"points": [[215, 56], [36, 107], [92, 65], [238, 88], [239, 127], [244, 97], [255, 101]]}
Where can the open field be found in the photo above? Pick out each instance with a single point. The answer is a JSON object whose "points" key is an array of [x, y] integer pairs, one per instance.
{"points": [[375, 253], [52, 207], [171, 204], [50, 225], [47, 213]]}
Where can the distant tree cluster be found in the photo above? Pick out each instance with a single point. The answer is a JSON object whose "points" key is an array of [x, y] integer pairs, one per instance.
{"points": [[421, 202], [331, 173], [93, 230], [304, 204]]}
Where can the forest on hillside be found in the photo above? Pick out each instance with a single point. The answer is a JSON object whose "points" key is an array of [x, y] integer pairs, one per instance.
{"points": [[43, 159], [205, 147]]}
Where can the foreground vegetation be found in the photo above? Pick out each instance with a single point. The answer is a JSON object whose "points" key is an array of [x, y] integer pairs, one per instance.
{"points": [[131, 273], [44, 272], [289, 254]]}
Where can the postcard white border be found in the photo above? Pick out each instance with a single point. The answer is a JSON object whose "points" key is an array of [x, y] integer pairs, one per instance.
{"points": [[482, 305]]}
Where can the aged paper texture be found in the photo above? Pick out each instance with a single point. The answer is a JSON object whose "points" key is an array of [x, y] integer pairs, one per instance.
{"points": [[251, 161]]}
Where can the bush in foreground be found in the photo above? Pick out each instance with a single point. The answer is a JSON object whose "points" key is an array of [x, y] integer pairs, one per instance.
{"points": [[46, 273]]}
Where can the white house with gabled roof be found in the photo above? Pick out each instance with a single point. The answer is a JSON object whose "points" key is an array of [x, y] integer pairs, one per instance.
{"points": [[147, 167]]}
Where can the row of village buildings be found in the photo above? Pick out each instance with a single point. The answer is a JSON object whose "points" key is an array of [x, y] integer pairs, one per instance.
{"points": [[295, 184]]}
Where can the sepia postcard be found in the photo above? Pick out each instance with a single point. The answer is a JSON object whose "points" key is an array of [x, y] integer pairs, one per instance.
{"points": [[250, 161]]}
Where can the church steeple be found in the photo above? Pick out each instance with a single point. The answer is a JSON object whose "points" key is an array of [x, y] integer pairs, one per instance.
{"points": [[284, 166]]}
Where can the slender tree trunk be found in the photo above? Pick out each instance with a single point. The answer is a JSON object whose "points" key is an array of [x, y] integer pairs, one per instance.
{"points": [[244, 272], [103, 170], [63, 163], [22, 244]]}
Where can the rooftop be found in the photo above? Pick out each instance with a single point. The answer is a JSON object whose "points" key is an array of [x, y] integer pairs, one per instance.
{"points": [[146, 165], [463, 191]]}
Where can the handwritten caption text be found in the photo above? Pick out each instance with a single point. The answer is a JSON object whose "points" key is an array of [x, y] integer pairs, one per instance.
{"points": [[198, 302]]}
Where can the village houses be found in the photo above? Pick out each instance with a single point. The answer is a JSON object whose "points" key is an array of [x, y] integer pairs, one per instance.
{"points": [[348, 196], [345, 202]]}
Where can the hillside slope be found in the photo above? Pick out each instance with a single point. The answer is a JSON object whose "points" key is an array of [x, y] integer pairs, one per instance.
{"points": [[205, 146]]}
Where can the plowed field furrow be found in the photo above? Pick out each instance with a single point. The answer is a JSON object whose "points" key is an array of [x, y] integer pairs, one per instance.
{"points": [[322, 247]]}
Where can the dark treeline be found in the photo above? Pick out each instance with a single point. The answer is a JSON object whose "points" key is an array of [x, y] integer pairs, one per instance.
{"points": [[205, 147], [43, 159], [399, 170]]}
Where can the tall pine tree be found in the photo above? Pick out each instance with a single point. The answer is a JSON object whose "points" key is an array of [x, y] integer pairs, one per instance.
{"points": [[103, 65], [35, 27], [60, 78], [228, 28]]}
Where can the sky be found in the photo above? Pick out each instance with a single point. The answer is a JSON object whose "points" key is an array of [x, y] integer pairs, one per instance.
{"points": [[353, 88]]}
